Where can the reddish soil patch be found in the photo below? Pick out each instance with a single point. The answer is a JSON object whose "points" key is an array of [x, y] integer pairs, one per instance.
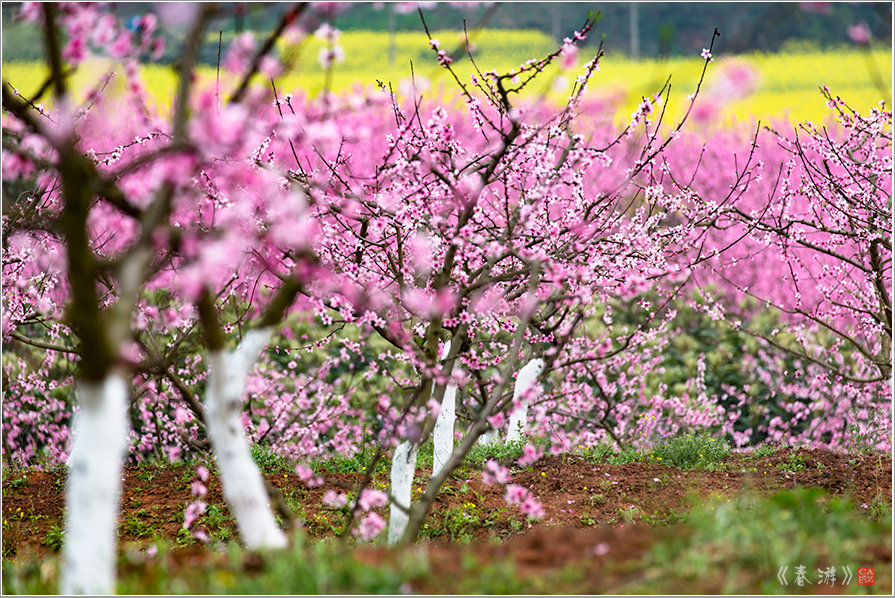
{"points": [[587, 506]]}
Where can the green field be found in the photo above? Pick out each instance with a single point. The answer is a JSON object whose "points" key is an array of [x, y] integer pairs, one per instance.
{"points": [[786, 84]]}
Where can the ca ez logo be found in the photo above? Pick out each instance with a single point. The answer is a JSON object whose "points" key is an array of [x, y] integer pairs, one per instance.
{"points": [[866, 576]]}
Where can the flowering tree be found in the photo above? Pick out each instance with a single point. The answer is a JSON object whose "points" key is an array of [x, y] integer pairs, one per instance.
{"points": [[819, 232], [141, 210], [489, 241], [510, 259], [63, 207]]}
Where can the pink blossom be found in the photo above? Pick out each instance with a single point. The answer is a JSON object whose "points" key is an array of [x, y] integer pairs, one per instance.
{"points": [[197, 488], [307, 475], [201, 535], [818, 7], [193, 511], [497, 420], [859, 33], [270, 67], [181, 414], [532, 508], [31, 12], [569, 56], [371, 498], [75, 51], [177, 16], [516, 494], [530, 454], [122, 46], [202, 473], [330, 56], [370, 526], [495, 473], [330, 9], [334, 499], [158, 48], [239, 53]]}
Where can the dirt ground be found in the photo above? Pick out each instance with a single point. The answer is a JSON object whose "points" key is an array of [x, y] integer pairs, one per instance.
{"points": [[587, 506]]}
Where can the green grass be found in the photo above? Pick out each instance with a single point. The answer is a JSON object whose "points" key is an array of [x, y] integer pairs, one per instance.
{"points": [[306, 568], [761, 451], [605, 453], [501, 451], [269, 461], [691, 451], [457, 524], [54, 538], [741, 543], [795, 462], [728, 545], [136, 526]]}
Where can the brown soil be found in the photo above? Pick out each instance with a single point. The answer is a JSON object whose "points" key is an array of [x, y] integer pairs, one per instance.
{"points": [[586, 505]]}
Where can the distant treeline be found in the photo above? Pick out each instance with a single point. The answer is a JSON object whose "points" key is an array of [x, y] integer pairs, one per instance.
{"points": [[648, 29]]}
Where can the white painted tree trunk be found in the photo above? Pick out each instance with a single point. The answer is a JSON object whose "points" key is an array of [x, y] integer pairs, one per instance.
{"points": [[487, 438], [93, 492], [403, 468], [518, 418], [444, 430], [443, 435], [241, 479]]}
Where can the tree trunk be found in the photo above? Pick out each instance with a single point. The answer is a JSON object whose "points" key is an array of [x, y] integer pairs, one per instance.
{"points": [[93, 492], [488, 438], [241, 479], [527, 376], [403, 468], [443, 435], [444, 429]]}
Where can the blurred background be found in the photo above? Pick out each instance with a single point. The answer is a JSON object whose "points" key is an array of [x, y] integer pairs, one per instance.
{"points": [[637, 29], [770, 59]]}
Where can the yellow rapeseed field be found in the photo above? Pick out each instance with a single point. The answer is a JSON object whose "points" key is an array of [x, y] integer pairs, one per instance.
{"points": [[779, 86]]}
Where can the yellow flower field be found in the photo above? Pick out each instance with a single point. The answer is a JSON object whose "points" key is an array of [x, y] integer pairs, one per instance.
{"points": [[783, 85]]}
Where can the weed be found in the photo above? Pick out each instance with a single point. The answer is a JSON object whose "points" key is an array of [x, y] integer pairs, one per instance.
{"points": [[18, 482], [500, 517], [268, 460], [628, 513], [604, 453], [587, 520], [690, 451], [457, 523], [293, 497], [659, 519], [145, 473], [597, 499], [879, 509], [658, 482], [54, 538], [597, 453], [503, 452], [184, 537], [134, 526], [326, 523], [795, 462], [762, 451], [753, 536], [219, 523]]}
